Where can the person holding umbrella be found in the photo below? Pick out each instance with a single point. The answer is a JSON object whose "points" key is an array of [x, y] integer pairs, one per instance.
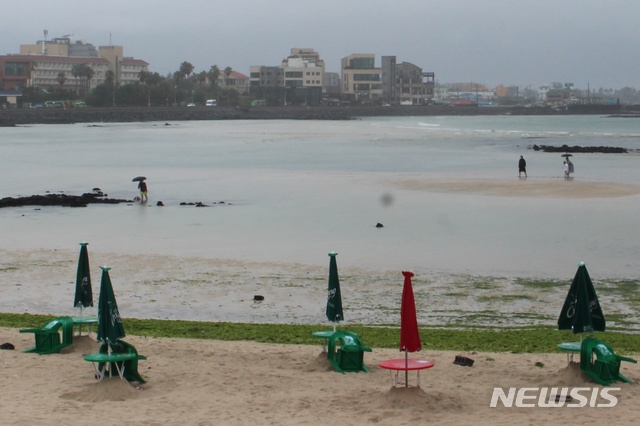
{"points": [[143, 191], [142, 186]]}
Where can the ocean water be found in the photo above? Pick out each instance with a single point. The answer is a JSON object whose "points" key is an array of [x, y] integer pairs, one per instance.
{"points": [[291, 191]]}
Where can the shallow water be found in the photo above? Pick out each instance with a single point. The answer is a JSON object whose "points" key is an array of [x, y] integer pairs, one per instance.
{"points": [[295, 190]]}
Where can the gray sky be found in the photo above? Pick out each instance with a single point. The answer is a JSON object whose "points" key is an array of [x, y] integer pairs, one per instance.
{"points": [[510, 42]]}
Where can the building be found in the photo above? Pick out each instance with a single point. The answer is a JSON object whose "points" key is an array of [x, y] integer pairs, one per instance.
{"points": [[234, 81], [298, 80], [303, 68], [49, 63], [361, 80], [332, 83], [406, 83]]}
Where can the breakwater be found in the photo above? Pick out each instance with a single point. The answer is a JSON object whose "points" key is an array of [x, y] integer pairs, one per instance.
{"points": [[144, 114]]}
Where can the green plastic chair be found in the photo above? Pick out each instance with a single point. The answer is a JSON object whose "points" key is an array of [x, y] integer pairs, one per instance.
{"points": [[346, 352], [599, 362], [130, 366], [47, 337]]}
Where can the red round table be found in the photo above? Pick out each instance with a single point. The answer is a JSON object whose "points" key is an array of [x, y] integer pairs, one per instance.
{"points": [[401, 364]]}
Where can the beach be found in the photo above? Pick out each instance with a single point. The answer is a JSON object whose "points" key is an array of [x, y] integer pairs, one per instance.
{"points": [[487, 249], [209, 382]]}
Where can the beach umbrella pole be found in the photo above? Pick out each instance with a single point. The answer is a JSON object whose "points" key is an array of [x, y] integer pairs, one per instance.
{"points": [[406, 368]]}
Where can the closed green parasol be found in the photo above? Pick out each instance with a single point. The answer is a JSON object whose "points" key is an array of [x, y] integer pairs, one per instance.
{"points": [[334, 298], [110, 328], [581, 311], [84, 294]]}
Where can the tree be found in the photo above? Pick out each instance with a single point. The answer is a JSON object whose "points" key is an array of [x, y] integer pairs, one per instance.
{"points": [[213, 74], [186, 69], [145, 77], [227, 73], [62, 78], [84, 72]]}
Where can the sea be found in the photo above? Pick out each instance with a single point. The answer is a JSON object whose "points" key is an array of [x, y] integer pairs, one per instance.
{"points": [[291, 191]]}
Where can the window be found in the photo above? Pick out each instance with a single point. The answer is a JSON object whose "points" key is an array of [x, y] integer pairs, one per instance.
{"points": [[361, 63], [366, 77], [293, 74], [15, 68]]}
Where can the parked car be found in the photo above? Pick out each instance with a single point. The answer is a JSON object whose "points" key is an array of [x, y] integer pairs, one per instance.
{"points": [[54, 104], [211, 102], [191, 104]]}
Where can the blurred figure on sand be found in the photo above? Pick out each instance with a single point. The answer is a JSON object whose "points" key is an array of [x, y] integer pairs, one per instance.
{"points": [[522, 167]]}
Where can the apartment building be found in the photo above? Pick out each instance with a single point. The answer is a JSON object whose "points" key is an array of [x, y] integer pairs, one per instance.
{"points": [[298, 80], [361, 80], [303, 68]]}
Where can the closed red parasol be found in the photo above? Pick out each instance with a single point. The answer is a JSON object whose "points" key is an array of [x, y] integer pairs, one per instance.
{"points": [[409, 334]]}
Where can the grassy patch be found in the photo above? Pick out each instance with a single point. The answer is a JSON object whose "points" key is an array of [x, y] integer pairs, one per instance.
{"points": [[542, 284], [500, 298], [516, 340]]}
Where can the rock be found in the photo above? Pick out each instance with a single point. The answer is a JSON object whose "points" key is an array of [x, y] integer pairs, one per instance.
{"points": [[577, 148], [63, 200]]}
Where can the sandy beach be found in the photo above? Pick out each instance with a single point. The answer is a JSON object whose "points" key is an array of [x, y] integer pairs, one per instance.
{"points": [[208, 382], [487, 250]]}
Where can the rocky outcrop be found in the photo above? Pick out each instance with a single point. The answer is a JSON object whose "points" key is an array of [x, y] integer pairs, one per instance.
{"points": [[576, 148], [63, 200]]}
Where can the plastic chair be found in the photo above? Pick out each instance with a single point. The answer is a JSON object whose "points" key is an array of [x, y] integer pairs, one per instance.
{"points": [[47, 337], [346, 352], [129, 367], [605, 368]]}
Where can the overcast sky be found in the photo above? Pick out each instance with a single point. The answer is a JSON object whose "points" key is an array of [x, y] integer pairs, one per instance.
{"points": [[510, 42]]}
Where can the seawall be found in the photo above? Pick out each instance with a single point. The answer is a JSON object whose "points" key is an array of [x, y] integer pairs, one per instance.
{"points": [[145, 114]]}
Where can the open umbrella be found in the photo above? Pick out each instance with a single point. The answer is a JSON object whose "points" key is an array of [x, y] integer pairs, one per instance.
{"points": [[110, 328], [84, 295], [138, 179], [581, 311], [334, 298], [409, 333], [566, 155]]}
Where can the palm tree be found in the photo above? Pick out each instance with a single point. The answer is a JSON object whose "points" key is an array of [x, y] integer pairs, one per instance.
{"points": [[110, 81], [227, 72], [85, 72], [186, 69], [62, 78], [213, 75]]}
